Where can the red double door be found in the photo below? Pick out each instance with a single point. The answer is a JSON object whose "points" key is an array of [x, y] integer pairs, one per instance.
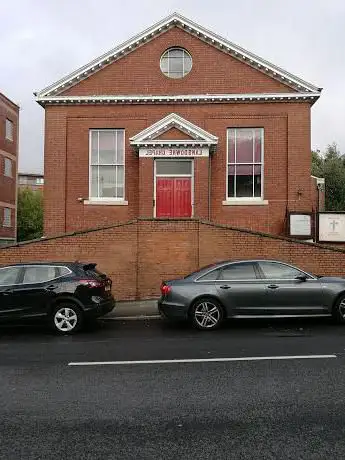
{"points": [[173, 197]]}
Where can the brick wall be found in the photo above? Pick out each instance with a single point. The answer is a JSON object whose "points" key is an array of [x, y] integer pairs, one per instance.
{"points": [[9, 150], [286, 164], [139, 254]]}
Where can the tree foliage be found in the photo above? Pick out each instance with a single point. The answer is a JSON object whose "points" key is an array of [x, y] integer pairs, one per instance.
{"points": [[29, 215], [331, 166]]}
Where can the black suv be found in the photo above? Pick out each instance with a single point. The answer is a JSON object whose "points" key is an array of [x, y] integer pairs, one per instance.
{"points": [[65, 293]]}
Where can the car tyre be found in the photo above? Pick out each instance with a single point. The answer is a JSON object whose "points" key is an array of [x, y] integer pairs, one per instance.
{"points": [[67, 318], [207, 314], [339, 310]]}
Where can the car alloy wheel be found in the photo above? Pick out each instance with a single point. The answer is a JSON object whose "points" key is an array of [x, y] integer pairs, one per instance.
{"points": [[339, 310], [67, 318], [207, 314]]}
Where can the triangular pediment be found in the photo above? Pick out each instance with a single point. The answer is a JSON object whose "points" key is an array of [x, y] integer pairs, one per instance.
{"points": [[173, 133], [190, 133], [176, 20]]}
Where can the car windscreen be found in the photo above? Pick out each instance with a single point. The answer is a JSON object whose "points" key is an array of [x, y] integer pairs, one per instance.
{"points": [[90, 269]]}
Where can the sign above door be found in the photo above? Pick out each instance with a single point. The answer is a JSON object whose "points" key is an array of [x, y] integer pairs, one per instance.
{"points": [[174, 152]]}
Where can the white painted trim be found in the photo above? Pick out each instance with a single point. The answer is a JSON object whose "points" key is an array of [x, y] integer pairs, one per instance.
{"points": [[106, 202], [93, 199], [8, 155], [173, 143], [173, 121], [177, 20], [244, 202], [3, 204], [172, 153], [167, 51], [180, 98], [319, 180]]}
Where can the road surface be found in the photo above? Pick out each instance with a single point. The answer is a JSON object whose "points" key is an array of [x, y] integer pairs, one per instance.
{"points": [[150, 390]]}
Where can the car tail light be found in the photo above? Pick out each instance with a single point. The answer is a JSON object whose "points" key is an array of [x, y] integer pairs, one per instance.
{"points": [[92, 283], [165, 289]]}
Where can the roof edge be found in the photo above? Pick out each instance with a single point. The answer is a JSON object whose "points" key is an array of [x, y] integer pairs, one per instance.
{"points": [[9, 101], [179, 98]]}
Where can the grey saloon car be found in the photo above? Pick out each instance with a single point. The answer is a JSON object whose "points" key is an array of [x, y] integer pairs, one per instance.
{"points": [[250, 289]]}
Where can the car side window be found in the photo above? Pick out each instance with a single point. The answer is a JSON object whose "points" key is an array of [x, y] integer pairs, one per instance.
{"points": [[38, 274], [62, 271], [9, 275], [240, 271], [210, 276], [277, 271]]}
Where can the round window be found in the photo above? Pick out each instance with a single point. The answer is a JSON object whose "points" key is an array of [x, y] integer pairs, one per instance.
{"points": [[176, 63]]}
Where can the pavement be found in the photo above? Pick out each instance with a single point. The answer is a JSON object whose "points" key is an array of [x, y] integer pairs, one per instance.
{"points": [[124, 390], [135, 309]]}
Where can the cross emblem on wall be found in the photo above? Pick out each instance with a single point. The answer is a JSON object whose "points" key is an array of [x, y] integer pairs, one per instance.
{"points": [[333, 224]]}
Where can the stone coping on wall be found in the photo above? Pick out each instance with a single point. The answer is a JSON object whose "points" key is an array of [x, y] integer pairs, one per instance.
{"points": [[179, 220]]}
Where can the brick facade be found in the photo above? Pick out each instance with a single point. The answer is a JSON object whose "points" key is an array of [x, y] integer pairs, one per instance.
{"points": [[8, 182], [287, 159], [139, 254], [287, 164], [285, 123]]}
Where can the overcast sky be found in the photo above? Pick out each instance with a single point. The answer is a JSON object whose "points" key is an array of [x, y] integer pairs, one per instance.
{"points": [[43, 40]]}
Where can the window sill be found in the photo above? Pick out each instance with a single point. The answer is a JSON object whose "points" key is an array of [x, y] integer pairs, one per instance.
{"points": [[245, 202], [107, 203]]}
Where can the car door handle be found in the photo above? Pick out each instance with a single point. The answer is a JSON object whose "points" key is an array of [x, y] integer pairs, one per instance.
{"points": [[272, 286], [51, 287], [225, 286]]}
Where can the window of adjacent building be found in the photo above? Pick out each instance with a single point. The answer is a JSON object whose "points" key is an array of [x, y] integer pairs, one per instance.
{"points": [[8, 167], [245, 163], [39, 181], [9, 130], [107, 168], [7, 217], [176, 63]]}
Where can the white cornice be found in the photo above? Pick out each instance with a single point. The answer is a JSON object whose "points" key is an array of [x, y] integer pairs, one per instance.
{"points": [[176, 20], [180, 99], [199, 136]]}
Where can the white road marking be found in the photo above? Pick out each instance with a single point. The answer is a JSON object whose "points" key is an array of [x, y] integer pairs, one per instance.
{"points": [[202, 360]]}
